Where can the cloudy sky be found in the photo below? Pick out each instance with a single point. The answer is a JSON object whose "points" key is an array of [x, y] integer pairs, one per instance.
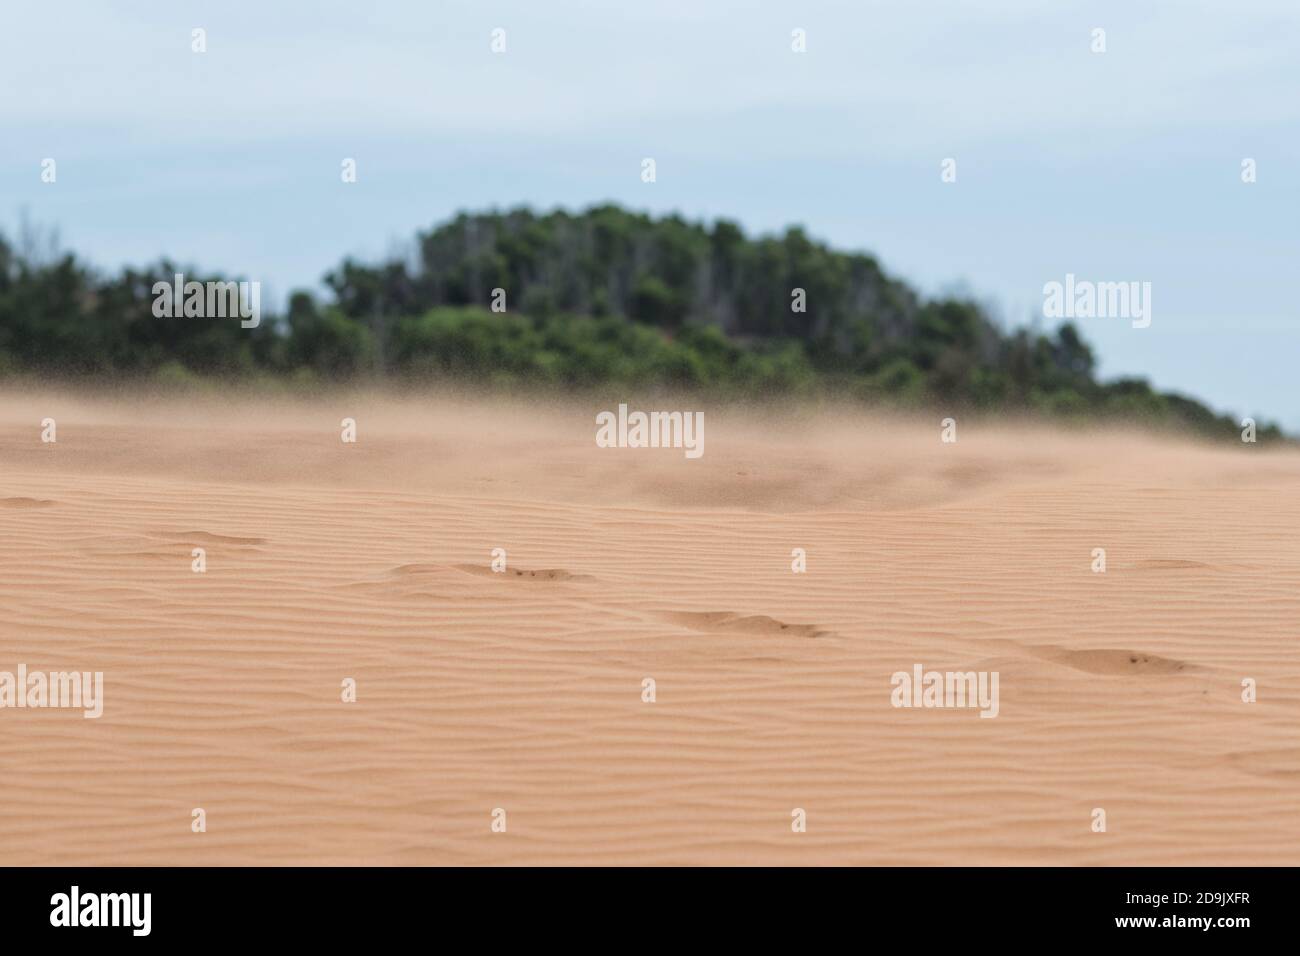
{"points": [[1123, 165]]}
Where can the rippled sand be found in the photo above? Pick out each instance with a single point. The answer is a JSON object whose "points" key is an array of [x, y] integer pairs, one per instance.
{"points": [[522, 690]]}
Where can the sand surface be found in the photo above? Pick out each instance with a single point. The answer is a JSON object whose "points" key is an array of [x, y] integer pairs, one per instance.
{"points": [[523, 690]]}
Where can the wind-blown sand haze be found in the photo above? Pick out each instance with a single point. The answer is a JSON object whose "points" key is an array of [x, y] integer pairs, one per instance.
{"points": [[523, 690]]}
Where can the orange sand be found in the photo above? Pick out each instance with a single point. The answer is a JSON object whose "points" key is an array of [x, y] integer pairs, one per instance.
{"points": [[522, 690]]}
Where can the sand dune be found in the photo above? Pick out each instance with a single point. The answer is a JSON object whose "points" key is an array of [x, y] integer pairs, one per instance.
{"points": [[522, 690]]}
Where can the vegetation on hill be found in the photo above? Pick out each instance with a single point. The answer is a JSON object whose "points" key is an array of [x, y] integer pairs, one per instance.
{"points": [[605, 296]]}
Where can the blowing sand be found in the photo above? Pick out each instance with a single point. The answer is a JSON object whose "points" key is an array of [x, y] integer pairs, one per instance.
{"points": [[523, 690]]}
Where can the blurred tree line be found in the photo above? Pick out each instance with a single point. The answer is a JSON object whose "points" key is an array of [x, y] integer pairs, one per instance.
{"points": [[605, 296]]}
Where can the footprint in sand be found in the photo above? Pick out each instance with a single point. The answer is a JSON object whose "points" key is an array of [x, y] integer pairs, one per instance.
{"points": [[729, 622], [1113, 662], [544, 574]]}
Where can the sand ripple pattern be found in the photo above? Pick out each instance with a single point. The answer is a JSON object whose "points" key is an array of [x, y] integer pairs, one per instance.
{"points": [[523, 690]]}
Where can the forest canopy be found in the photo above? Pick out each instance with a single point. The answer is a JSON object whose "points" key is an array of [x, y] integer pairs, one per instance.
{"points": [[605, 296]]}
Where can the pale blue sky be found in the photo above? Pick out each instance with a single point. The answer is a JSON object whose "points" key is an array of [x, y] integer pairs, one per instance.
{"points": [[1114, 166]]}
